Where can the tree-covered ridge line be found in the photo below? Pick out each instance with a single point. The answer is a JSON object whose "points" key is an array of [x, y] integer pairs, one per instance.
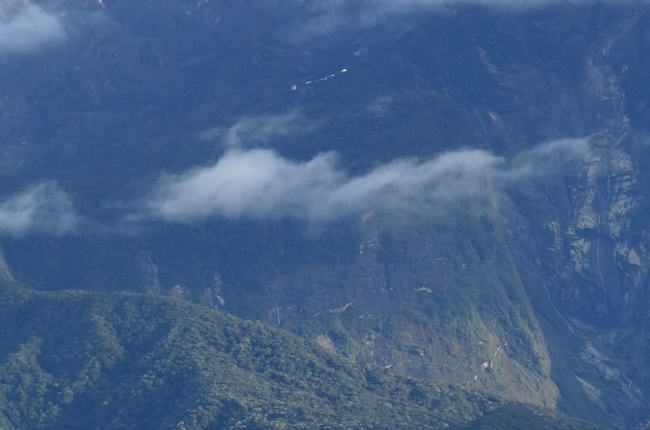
{"points": [[124, 361]]}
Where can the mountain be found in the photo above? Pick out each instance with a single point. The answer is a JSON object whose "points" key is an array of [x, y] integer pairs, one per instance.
{"points": [[79, 360], [524, 276]]}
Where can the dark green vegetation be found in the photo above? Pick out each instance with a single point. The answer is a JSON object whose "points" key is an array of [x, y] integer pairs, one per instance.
{"points": [[74, 360], [514, 417]]}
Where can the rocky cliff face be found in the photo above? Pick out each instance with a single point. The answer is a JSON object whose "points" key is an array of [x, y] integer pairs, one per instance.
{"points": [[596, 256]]}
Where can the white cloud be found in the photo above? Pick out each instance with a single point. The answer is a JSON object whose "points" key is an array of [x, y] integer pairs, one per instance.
{"points": [[548, 158], [26, 28], [380, 106], [255, 130], [332, 15], [44, 208], [259, 183]]}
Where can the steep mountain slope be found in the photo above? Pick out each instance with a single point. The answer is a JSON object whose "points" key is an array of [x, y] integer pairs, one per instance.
{"points": [[537, 291], [77, 360]]}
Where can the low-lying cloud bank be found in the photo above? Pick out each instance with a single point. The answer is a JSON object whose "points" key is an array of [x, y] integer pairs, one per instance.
{"points": [[44, 208], [260, 183], [26, 28]]}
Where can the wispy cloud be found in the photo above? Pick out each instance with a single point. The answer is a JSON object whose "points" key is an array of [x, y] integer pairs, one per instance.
{"points": [[44, 208], [260, 183], [380, 106], [549, 158], [332, 15], [401, 5], [256, 130], [25, 27]]}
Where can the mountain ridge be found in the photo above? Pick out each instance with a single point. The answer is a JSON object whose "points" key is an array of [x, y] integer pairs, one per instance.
{"points": [[80, 360]]}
